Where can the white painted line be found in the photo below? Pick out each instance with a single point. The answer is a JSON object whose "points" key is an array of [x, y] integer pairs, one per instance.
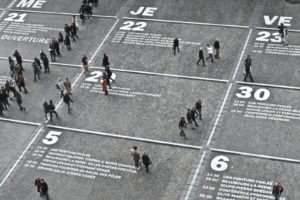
{"points": [[256, 155], [276, 29], [20, 158], [187, 22], [219, 115], [125, 137], [107, 35], [20, 121], [60, 13], [242, 54], [11, 4], [195, 177], [269, 85]]}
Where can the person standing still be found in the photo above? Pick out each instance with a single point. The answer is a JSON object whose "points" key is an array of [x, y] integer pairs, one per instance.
{"points": [[146, 161], [277, 190], [248, 64], [210, 52], [182, 126], [201, 57], [176, 45], [217, 48]]}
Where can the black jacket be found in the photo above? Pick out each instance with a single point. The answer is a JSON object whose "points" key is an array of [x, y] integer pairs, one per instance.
{"points": [[217, 44], [201, 55]]}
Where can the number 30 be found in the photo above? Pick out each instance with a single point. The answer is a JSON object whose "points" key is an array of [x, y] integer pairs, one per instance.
{"points": [[261, 94]]}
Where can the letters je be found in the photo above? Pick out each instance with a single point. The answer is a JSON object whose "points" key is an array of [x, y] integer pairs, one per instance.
{"points": [[145, 11]]}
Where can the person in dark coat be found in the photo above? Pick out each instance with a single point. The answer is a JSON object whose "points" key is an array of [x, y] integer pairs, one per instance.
{"points": [[19, 101], [12, 67], [4, 98], [44, 189], [182, 126], [198, 106], [52, 51], [217, 48], [146, 161], [277, 190], [85, 64], [36, 69], [109, 74], [55, 44], [46, 64], [60, 40], [18, 57], [46, 109], [194, 116], [38, 184], [68, 42], [136, 157], [73, 29], [105, 62], [201, 57], [189, 118], [67, 30], [248, 64], [176, 45], [67, 99], [51, 108], [20, 80]]}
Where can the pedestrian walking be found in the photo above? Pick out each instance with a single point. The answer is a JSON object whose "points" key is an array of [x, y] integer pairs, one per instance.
{"points": [[105, 62], [85, 64], [44, 189], [105, 84], [285, 36], [73, 29], [51, 108], [19, 101], [18, 57], [176, 45], [67, 30], [38, 185], [68, 86], [67, 99], [20, 80], [55, 44], [60, 86], [189, 117], [210, 52], [201, 57], [12, 67], [217, 48], [198, 106], [109, 74], [11, 86], [182, 126], [4, 98], [136, 157], [277, 190], [281, 28], [194, 116], [146, 161], [52, 51], [247, 73], [46, 64], [60, 40], [68, 42], [36, 69], [46, 109]]}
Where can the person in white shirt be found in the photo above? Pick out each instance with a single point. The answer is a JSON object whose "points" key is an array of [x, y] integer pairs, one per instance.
{"points": [[210, 52]]}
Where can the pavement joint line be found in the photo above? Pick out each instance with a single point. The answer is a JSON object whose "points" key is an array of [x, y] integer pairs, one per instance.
{"points": [[126, 137], [187, 22], [256, 155], [136, 72], [7, 8], [195, 177], [219, 115], [61, 13], [242, 54], [269, 85], [276, 29], [20, 157], [20, 121]]}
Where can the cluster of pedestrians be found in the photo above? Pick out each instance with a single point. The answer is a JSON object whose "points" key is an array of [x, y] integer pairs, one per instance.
{"points": [[138, 160], [210, 51], [86, 9], [191, 118]]}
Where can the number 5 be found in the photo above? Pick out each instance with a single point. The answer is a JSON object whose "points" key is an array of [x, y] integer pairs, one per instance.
{"points": [[219, 163], [51, 137]]}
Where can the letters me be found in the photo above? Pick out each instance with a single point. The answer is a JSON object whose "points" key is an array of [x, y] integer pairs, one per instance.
{"points": [[31, 3]]}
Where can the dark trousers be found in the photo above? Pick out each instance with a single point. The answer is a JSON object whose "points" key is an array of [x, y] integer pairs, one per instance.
{"points": [[47, 69], [147, 166], [68, 47], [21, 107], [202, 61], [210, 56], [217, 53], [250, 76], [22, 86], [137, 163], [174, 48], [36, 74], [51, 114], [52, 54]]}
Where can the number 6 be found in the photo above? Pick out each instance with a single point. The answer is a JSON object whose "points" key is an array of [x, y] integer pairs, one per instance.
{"points": [[219, 163], [51, 137]]}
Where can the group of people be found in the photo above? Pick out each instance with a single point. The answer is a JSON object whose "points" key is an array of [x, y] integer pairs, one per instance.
{"points": [[138, 160], [191, 118], [86, 9], [210, 51], [42, 187]]}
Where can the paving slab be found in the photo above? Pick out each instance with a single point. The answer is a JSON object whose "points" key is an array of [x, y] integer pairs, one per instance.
{"points": [[36, 30], [5, 3], [141, 106], [261, 120], [14, 140], [93, 166], [228, 176], [147, 46]]}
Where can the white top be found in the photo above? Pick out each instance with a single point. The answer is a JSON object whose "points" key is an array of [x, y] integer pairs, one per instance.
{"points": [[209, 50]]}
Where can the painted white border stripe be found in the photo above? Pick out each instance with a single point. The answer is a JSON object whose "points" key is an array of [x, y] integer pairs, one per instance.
{"points": [[256, 155], [60, 13], [242, 54], [276, 29], [20, 158], [20, 121], [186, 22], [269, 85], [219, 115], [125, 137], [195, 177]]}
